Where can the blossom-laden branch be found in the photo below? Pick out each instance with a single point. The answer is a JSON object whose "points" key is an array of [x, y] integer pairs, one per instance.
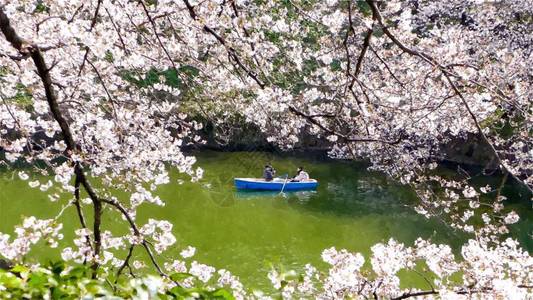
{"points": [[51, 97], [75, 143], [231, 51], [312, 120], [346, 278], [137, 234], [447, 74]]}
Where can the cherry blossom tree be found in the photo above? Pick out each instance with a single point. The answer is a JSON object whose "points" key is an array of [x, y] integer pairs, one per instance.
{"points": [[99, 91]]}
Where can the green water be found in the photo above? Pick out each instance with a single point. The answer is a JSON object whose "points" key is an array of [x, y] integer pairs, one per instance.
{"points": [[247, 233]]}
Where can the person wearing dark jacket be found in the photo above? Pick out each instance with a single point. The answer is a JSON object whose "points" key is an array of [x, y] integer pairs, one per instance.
{"points": [[268, 173]]}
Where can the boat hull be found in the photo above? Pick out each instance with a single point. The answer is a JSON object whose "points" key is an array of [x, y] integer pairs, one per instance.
{"points": [[275, 185]]}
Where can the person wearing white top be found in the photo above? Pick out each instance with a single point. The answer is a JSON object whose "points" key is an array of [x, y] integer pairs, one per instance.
{"points": [[301, 175]]}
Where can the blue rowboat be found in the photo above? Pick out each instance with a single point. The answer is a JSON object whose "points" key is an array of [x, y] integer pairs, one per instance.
{"points": [[275, 185]]}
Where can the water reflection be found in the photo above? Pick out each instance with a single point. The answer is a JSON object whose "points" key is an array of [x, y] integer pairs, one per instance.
{"points": [[301, 196]]}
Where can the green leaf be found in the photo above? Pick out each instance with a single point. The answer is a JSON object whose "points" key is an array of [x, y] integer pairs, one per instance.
{"points": [[41, 8], [77, 272], [221, 294], [364, 8], [335, 65], [57, 267], [19, 269], [58, 293], [94, 288], [38, 280], [180, 276], [10, 281], [179, 291]]}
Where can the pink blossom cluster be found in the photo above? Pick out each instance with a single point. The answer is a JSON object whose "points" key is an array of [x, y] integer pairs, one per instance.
{"points": [[30, 233], [486, 273]]}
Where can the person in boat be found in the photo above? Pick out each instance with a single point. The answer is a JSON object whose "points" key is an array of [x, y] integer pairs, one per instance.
{"points": [[268, 173], [301, 175]]}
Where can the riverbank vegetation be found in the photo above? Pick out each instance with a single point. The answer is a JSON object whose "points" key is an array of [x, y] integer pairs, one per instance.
{"points": [[113, 92]]}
